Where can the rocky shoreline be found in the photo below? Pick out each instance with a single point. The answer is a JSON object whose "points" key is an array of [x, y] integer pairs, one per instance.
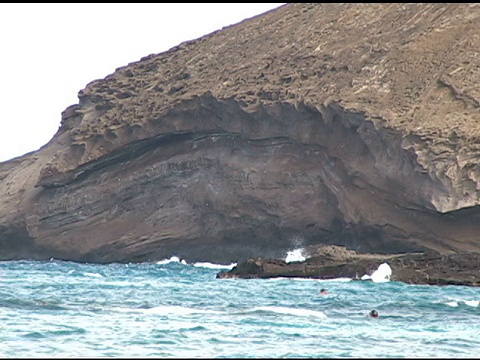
{"points": [[330, 262], [314, 123]]}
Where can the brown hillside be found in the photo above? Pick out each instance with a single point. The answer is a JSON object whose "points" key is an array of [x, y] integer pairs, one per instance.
{"points": [[350, 124]]}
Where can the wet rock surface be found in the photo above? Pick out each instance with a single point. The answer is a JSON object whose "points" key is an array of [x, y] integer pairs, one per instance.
{"points": [[331, 262]]}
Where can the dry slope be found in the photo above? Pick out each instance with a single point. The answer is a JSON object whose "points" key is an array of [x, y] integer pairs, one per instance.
{"points": [[353, 124]]}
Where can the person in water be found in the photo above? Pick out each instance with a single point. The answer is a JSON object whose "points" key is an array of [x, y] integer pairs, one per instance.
{"points": [[373, 314], [323, 292]]}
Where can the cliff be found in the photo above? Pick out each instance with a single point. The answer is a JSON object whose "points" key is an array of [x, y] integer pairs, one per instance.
{"points": [[347, 124]]}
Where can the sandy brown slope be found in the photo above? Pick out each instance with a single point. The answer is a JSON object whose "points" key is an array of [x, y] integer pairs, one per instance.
{"points": [[338, 123], [412, 67]]}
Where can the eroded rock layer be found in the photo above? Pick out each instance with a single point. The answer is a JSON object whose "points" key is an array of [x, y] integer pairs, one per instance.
{"points": [[347, 124]]}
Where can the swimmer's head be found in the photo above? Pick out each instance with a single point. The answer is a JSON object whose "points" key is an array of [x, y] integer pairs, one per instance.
{"points": [[373, 313]]}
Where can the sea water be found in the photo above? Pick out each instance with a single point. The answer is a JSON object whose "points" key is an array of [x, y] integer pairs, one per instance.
{"points": [[177, 309]]}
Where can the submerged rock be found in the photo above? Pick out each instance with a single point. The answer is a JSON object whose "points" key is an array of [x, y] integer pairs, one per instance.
{"points": [[351, 124]]}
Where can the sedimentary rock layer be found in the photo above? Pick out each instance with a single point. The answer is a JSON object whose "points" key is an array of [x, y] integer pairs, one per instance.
{"points": [[348, 124]]}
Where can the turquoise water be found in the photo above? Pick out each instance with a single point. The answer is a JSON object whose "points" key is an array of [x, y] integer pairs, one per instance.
{"points": [[178, 310]]}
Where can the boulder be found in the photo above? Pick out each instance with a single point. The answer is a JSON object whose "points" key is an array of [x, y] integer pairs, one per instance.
{"points": [[334, 262]]}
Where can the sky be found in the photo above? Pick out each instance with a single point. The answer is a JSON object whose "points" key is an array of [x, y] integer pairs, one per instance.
{"points": [[49, 52]]}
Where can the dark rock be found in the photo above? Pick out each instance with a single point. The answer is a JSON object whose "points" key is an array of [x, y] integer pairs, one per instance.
{"points": [[348, 124], [414, 268]]}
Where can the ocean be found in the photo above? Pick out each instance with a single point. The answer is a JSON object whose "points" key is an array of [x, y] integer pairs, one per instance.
{"points": [[173, 309]]}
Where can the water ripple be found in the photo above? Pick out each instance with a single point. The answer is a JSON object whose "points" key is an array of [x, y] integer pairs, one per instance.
{"points": [[173, 309]]}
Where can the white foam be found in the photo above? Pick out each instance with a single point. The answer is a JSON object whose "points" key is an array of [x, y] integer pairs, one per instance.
{"points": [[291, 311], [456, 303], [342, 279], [167, 309], [180, 310], [176, 259], [295, 255], [452, 303], [93, 274], [382, 274], [473, 303], [172, 259], [214, 266], [120, 283]]}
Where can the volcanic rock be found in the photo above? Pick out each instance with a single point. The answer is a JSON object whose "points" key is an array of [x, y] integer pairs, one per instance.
{"points": [[348, 124], [334, 262]]}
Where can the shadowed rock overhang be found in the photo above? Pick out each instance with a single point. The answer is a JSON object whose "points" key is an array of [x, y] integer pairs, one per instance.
{"points": [[347, 124]]}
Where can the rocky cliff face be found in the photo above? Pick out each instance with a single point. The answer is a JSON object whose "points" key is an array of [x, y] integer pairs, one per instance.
{"points": [[347, 124]]}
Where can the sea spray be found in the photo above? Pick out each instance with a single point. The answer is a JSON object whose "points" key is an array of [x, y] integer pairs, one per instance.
{"points": [[382, 274], [296, 255]]}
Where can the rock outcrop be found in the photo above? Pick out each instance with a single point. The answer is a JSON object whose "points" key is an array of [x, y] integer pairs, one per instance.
{"points": [[348, 124], [334, 262]]}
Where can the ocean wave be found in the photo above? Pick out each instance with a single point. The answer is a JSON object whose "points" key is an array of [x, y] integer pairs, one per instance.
{"points": [[66, 331], [456, 303], [92, 274], [175, 310], [382, 274], [167, 310], [37, 305], [342, 279], [290, 311], [208, 265], [214, 266], [173, 259]]}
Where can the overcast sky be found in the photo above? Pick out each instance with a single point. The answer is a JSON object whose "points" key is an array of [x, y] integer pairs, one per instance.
{"points": [[49, 52]]}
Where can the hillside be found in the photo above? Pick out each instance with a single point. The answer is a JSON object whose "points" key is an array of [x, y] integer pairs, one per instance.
{"points": [[347, 124]]}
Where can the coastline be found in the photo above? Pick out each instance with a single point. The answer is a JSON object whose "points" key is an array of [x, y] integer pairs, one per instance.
{"points": [[331, 262]]}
